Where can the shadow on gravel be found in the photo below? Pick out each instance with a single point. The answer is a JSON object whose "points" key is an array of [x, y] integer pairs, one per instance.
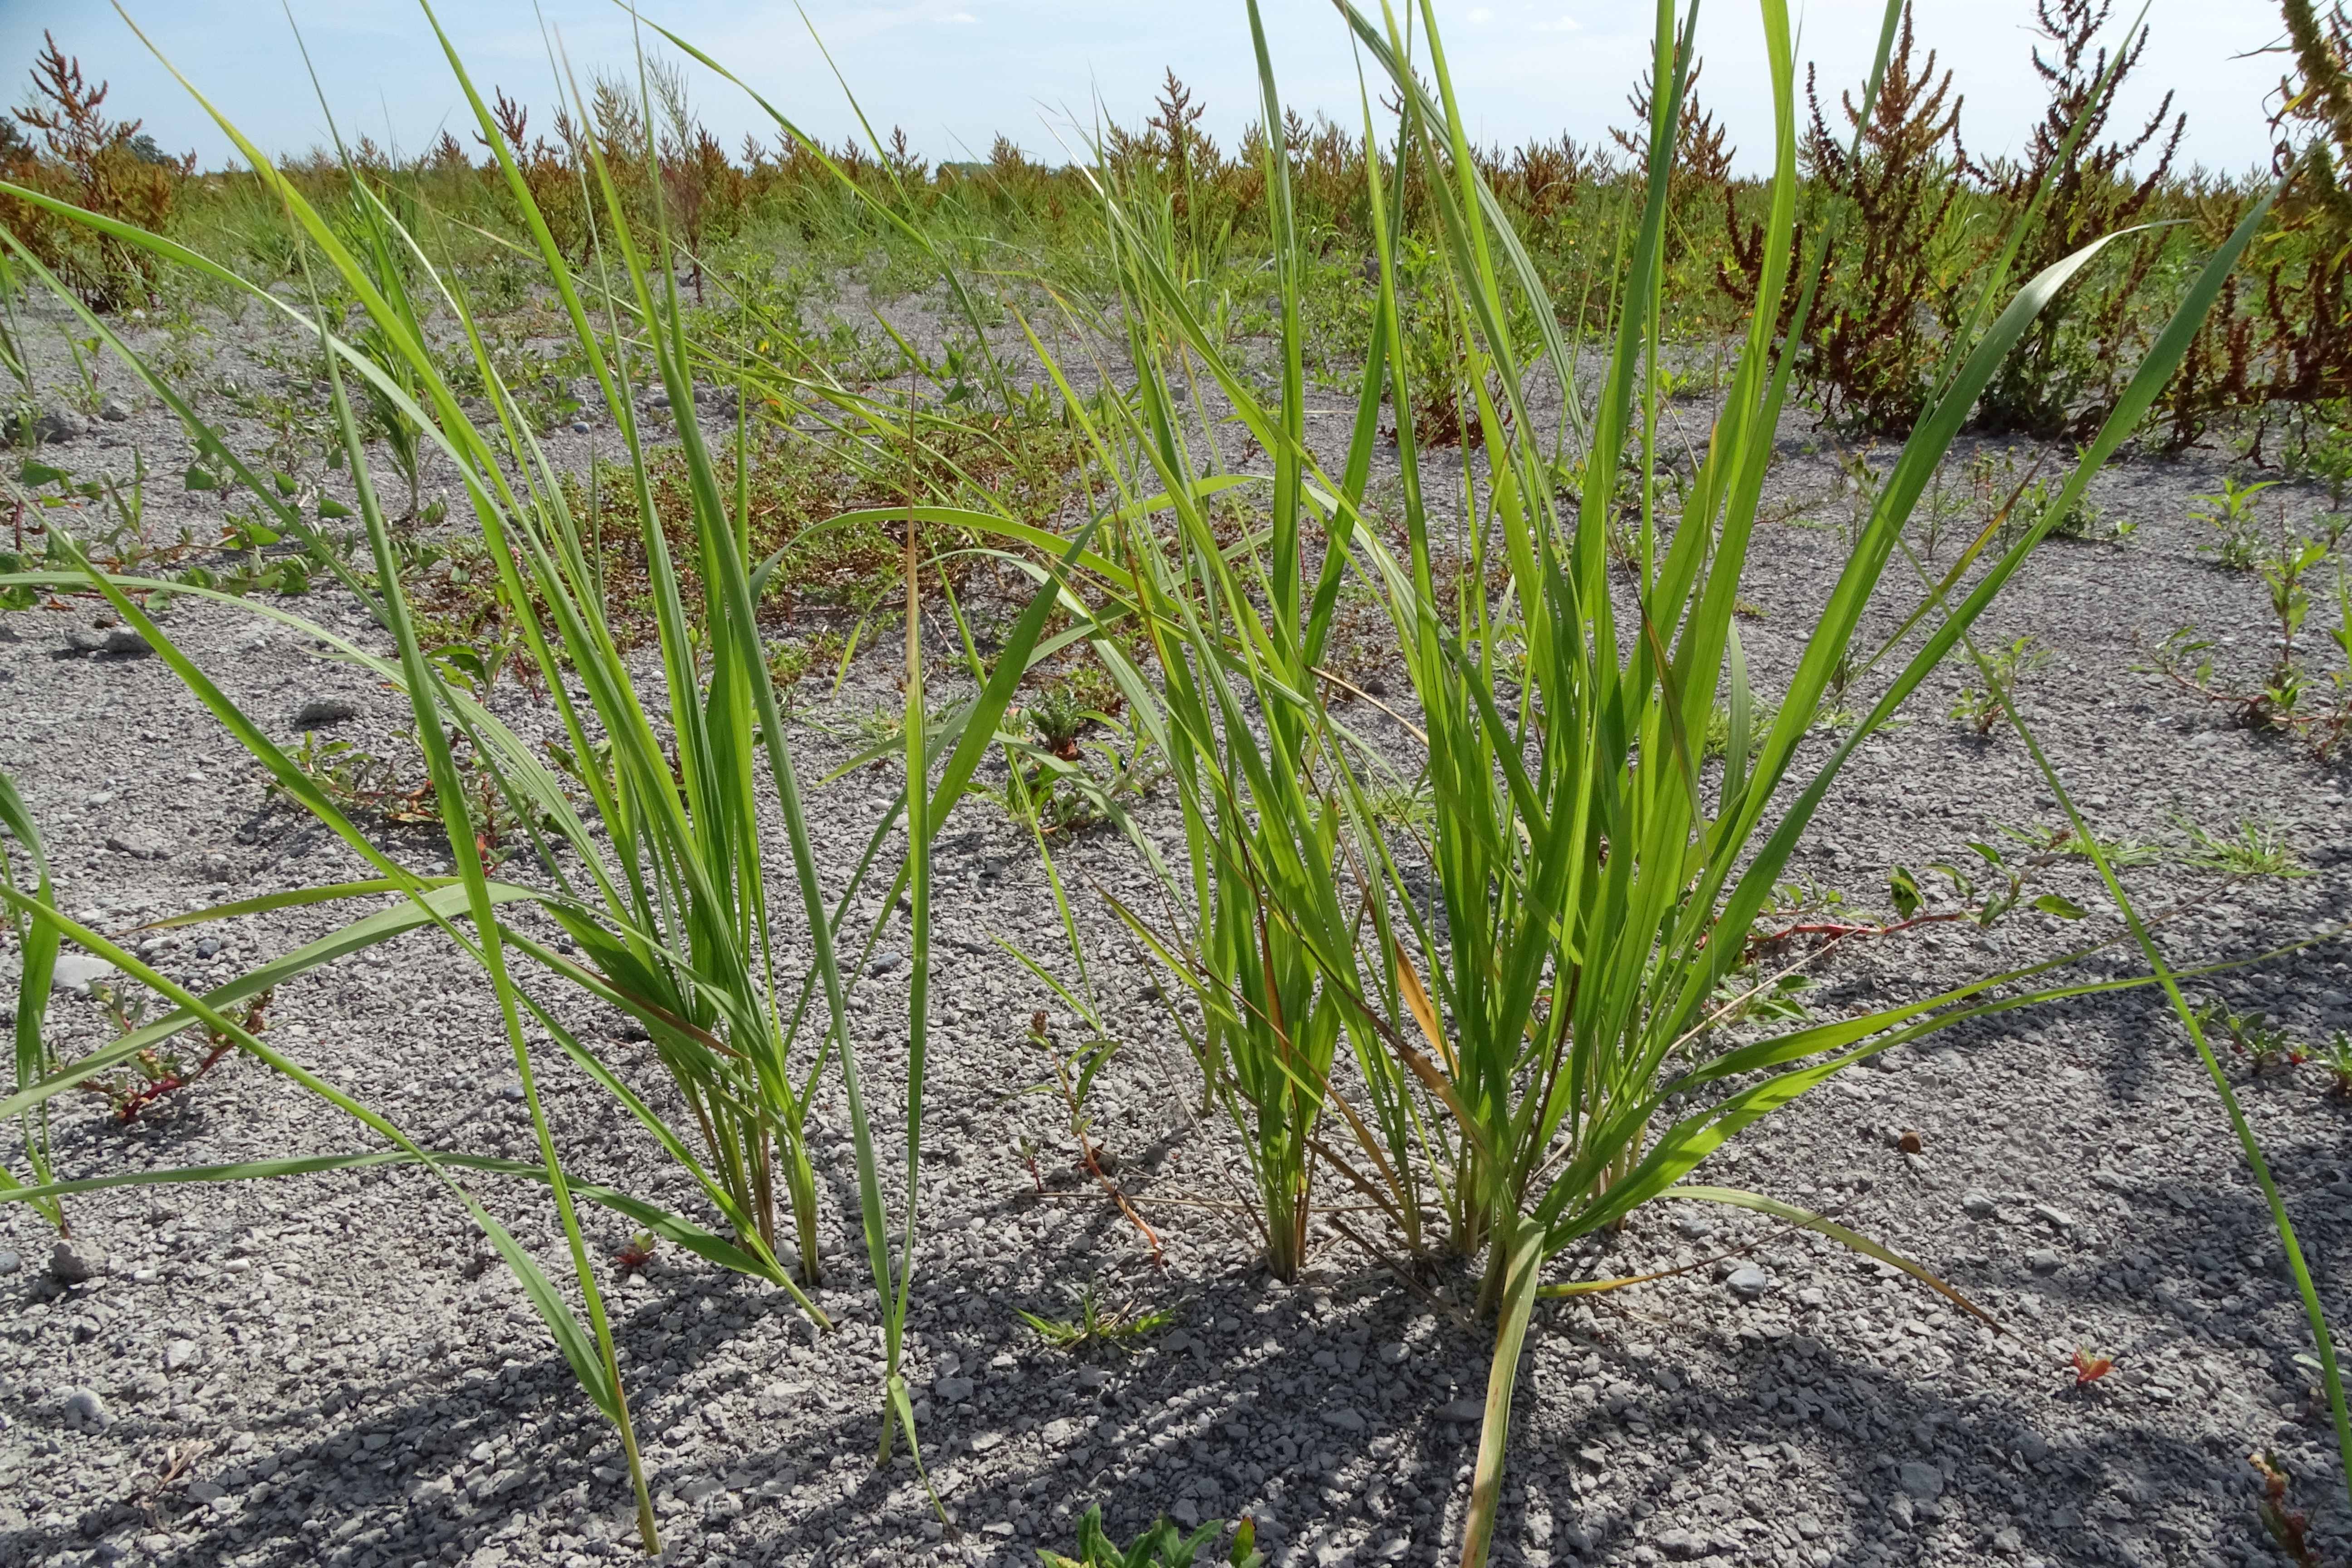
{"points": [[1309, 1420], [1799, 1449]]}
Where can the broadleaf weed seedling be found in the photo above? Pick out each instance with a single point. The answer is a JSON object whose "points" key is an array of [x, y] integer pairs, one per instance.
{"points": [[2336, 1057], [1075, 1068], [2289, 697], [791, 661], [1059, 716], [158, 1072], [1741, 998], [2253, 1036], [2230, 514], [1980, 707], [359, 782]]}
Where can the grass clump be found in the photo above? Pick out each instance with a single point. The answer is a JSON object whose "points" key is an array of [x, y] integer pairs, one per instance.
{"points": [[1523, 993], [1097, 1322], [2249, 850], [657, 878]]}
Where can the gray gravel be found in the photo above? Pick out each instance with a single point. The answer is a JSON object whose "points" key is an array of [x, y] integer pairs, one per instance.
{"points": [[333, 1370]]}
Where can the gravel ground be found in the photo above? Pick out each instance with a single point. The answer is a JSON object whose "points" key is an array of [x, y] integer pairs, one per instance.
{"points": [[333, 1368]]}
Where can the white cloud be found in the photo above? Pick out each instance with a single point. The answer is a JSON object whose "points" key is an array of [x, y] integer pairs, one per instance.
{"points": [[1481, 14], [1561, 24]]}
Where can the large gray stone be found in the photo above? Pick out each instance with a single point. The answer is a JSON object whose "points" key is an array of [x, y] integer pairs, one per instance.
{"points": [[52, 424], [78, 972], [1924, 1482]]}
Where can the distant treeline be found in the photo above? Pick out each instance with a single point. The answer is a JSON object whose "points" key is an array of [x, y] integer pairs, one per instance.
{"points": [[1912, 214]]}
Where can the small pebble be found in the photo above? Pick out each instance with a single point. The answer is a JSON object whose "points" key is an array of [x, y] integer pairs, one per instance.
{"points": [[1748, 1282]]}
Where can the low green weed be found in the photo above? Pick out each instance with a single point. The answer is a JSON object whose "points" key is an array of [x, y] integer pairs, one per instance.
{"points": [[2047, 844], [1059, 716], [2082, 519], [1164, 1545], [2230, 513], [155, 1073], [2254, 1036], [791, 659], [2289, 696], [1403, 805], [1980, 706], [1096, 1323], [359, 782], [2253, 849], [2336, 1055], [1744, 997], [1716, 744], [1074, 1068]]}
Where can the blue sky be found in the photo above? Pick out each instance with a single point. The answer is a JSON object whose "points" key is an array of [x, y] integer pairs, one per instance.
{"points": [[954, 72]]}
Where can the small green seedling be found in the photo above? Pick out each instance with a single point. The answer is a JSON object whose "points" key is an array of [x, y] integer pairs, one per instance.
{"points": [[160, 1071], [1060, 716], [2230, 515], [2336, 1057], [2005, 887], [2254, 850], [2047, 845], [1096, 1324], [1980, 707], [2254, 1036], [1741, 998], [1161, 1546]]}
